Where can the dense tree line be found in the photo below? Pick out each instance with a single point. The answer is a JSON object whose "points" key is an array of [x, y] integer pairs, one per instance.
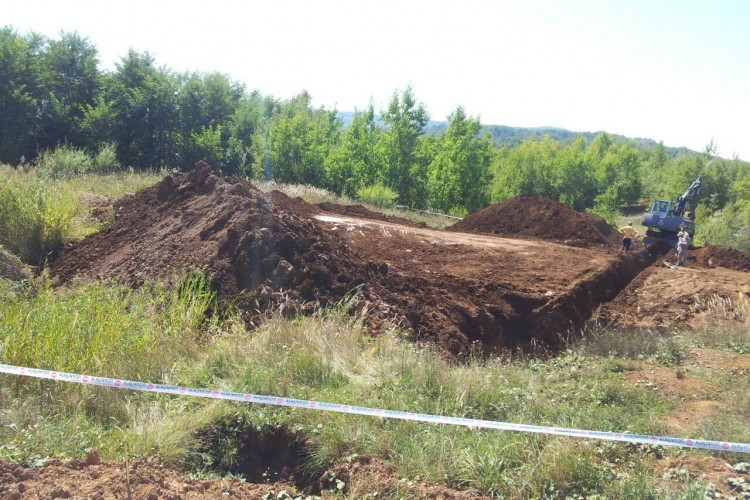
{"points": [[52, 93]]}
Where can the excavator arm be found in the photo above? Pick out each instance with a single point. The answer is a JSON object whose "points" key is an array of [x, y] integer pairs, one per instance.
{"points": [[689, 199]]}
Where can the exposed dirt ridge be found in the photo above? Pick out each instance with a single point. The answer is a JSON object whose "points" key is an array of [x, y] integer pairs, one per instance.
{"points": [[577, 306]]}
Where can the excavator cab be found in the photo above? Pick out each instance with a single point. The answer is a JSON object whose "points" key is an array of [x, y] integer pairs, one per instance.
{"points": [[663, 207]]}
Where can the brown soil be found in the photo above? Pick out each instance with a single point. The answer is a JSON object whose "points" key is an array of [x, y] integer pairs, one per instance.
{"points": [[100, 207], [449, 287], [90, 478], [541, 218], [250, 243], [696, 396], [368, 477], [711, 470], [716, 256], [679, 297], [143, 479]]}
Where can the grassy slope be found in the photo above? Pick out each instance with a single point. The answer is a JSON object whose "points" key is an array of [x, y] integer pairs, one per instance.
{"points": [[102, 328]]}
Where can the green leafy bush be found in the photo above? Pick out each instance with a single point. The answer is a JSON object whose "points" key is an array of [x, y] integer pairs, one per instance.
{"points": [[35, 216], [105, 159], [727, 227], [65, 162], [378, 195]]}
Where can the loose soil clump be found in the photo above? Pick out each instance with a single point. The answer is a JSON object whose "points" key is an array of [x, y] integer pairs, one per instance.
{"points": [[148, 478], [541, 218], [95, 479], [717, 256]]}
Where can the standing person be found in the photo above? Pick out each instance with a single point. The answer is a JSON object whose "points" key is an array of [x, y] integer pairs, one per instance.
{"points": [[628, 233], [683, 243]]}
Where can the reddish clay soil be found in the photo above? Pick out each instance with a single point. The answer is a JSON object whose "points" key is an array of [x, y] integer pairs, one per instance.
{"points": [[449, 287], [142, 478], [541, 218], [713, 289], [716, 256]]}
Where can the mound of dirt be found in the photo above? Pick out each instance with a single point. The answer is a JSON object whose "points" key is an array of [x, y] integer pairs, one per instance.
{"points": [[252, 245], [540, 218], [717, 256]]}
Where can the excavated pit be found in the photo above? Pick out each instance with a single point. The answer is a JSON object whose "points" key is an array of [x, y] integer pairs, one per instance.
{"points": [[451, 288]]}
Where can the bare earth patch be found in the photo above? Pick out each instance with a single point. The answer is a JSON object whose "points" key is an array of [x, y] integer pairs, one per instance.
{"points": [[708, 469], [697, 397]]}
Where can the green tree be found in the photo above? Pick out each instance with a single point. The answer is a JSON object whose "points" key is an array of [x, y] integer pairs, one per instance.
{"points": [[354, 163], [20, 92], [460, 170], [574, 178], [144, 100], [247, 123], [205, 104], [405, 121], [300, 140], [620, 169], [528, 170], [71, 80]]}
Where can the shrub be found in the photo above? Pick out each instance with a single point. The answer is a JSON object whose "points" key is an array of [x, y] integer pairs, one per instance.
{"points": [[105, 159], [35, 216], [378, 195], [65, 162]]}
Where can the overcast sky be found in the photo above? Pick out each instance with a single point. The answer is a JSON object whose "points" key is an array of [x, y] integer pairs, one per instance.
{"points": [[676, 71]]}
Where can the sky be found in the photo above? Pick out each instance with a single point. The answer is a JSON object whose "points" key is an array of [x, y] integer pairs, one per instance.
{"points": [[676, 71]]}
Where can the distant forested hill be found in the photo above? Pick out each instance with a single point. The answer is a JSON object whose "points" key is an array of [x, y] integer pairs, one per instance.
{"points": [[503, 135]]}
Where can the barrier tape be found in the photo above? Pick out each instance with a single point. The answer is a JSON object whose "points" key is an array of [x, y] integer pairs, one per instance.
{"points": [[375, 412]]}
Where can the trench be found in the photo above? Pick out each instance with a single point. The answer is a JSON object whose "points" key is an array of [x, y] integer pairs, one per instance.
{"points": [[534, 325], [570, 311]]}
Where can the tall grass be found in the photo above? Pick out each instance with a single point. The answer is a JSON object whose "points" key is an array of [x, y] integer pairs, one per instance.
{"points": [[67, 161], [104, 329], [36, 216], [39, 214], [330, 358], [112, 184]]}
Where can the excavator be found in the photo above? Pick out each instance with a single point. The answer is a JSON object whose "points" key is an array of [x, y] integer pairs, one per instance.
{"points": [[666, 218]]}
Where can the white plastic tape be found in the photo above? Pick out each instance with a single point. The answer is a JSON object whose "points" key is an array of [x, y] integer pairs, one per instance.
{"points": [[375, 412]]}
